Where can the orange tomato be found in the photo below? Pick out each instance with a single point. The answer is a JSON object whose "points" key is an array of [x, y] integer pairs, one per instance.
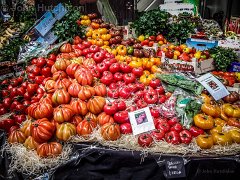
{"points": [[96, 35], [99, 42], [102, 30], [95, 25]]}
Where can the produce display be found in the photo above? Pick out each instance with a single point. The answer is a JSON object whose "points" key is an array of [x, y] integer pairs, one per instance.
{"points": [[85, 91]]}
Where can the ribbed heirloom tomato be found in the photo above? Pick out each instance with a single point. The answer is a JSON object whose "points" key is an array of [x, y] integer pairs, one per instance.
{"points": [[61, 96], [71, 69], [42, 130], [79, 106], [59, 75], [100, 89], [65, 131], [61, 64], [63, 113], [16, 136], [86, 127], [103, 118], [86, 92], [50, 86], [27, 128], [74, 89], [30, 143], [110, 131], [76, 119], [49, 149], [83, 77], [39, 110], [95, 104], [62, 83]]}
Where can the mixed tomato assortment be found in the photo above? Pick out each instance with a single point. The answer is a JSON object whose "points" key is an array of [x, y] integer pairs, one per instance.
{"points": [[89, 85]]}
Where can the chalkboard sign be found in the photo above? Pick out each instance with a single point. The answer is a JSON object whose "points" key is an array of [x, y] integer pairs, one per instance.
{"points": [[175, 167]]}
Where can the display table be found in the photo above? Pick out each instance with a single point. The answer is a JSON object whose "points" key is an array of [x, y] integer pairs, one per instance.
{"points": [[93, 161]]}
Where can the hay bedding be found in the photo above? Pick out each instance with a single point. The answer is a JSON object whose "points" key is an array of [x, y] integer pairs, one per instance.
{"points": [[29, 163], [129, 142]]}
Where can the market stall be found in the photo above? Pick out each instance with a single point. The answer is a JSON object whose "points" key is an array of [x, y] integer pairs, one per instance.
{"points": [[156, 99]]}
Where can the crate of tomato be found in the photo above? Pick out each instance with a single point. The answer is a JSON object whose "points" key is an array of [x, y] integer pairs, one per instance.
{"points": [[192, 65]]}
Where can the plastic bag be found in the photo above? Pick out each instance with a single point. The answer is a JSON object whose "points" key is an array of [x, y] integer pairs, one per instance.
{"points": [[167, 109], [187, 106]]}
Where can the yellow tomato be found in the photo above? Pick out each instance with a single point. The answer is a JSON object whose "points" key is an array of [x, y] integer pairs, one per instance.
{"points": [[96, 35], [89, 33], [155, 69], [99, 42], [122, 50], [141, 38], [105, 37], [145, 79], [135, 64], [114, 52], [84, 17], [106, 43], [102, 30]]}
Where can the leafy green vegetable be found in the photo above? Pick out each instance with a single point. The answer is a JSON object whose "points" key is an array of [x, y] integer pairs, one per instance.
{"points": [[179, 30], [67, 28], [151, 22], [223, 57], [11, 50], [182, 82]]}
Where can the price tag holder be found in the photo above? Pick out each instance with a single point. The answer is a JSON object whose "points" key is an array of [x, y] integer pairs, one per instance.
{"points": [[45, 24], [59, 11], [213, 86], [174, 167]]}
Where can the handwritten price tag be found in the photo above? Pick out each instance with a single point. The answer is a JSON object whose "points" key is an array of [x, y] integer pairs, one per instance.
{"points": [[175, 167]]}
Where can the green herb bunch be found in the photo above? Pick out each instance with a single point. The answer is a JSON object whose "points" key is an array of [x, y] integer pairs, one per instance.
{"points": [[223, 57], [67, 27], [151, 22], [179, 30], [11, 50]]}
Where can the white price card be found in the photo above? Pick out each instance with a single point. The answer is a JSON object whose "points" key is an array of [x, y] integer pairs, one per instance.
{"points": [[141, 121], [213, 86]]}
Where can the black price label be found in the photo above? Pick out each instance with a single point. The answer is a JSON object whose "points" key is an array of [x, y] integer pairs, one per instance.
{"points": [[175, 167]]}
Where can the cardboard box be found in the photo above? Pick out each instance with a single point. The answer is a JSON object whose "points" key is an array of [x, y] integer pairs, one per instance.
{"points": [[201, 44], [198, 67]]}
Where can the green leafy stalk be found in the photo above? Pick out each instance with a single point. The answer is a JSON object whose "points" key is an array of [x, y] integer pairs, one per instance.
{"points": [[67, 27], [223, 57]]}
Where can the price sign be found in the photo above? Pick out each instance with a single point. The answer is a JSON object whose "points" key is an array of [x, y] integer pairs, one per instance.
{"points": [[174, 167], [45, 24], [59, 11], [213, 86]]}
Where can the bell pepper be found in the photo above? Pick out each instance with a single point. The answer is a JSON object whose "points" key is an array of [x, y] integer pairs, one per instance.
{"points": [[203, 121], [204, 141], [231, 110], [235, 135], [211, 109], [222, 139]]}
